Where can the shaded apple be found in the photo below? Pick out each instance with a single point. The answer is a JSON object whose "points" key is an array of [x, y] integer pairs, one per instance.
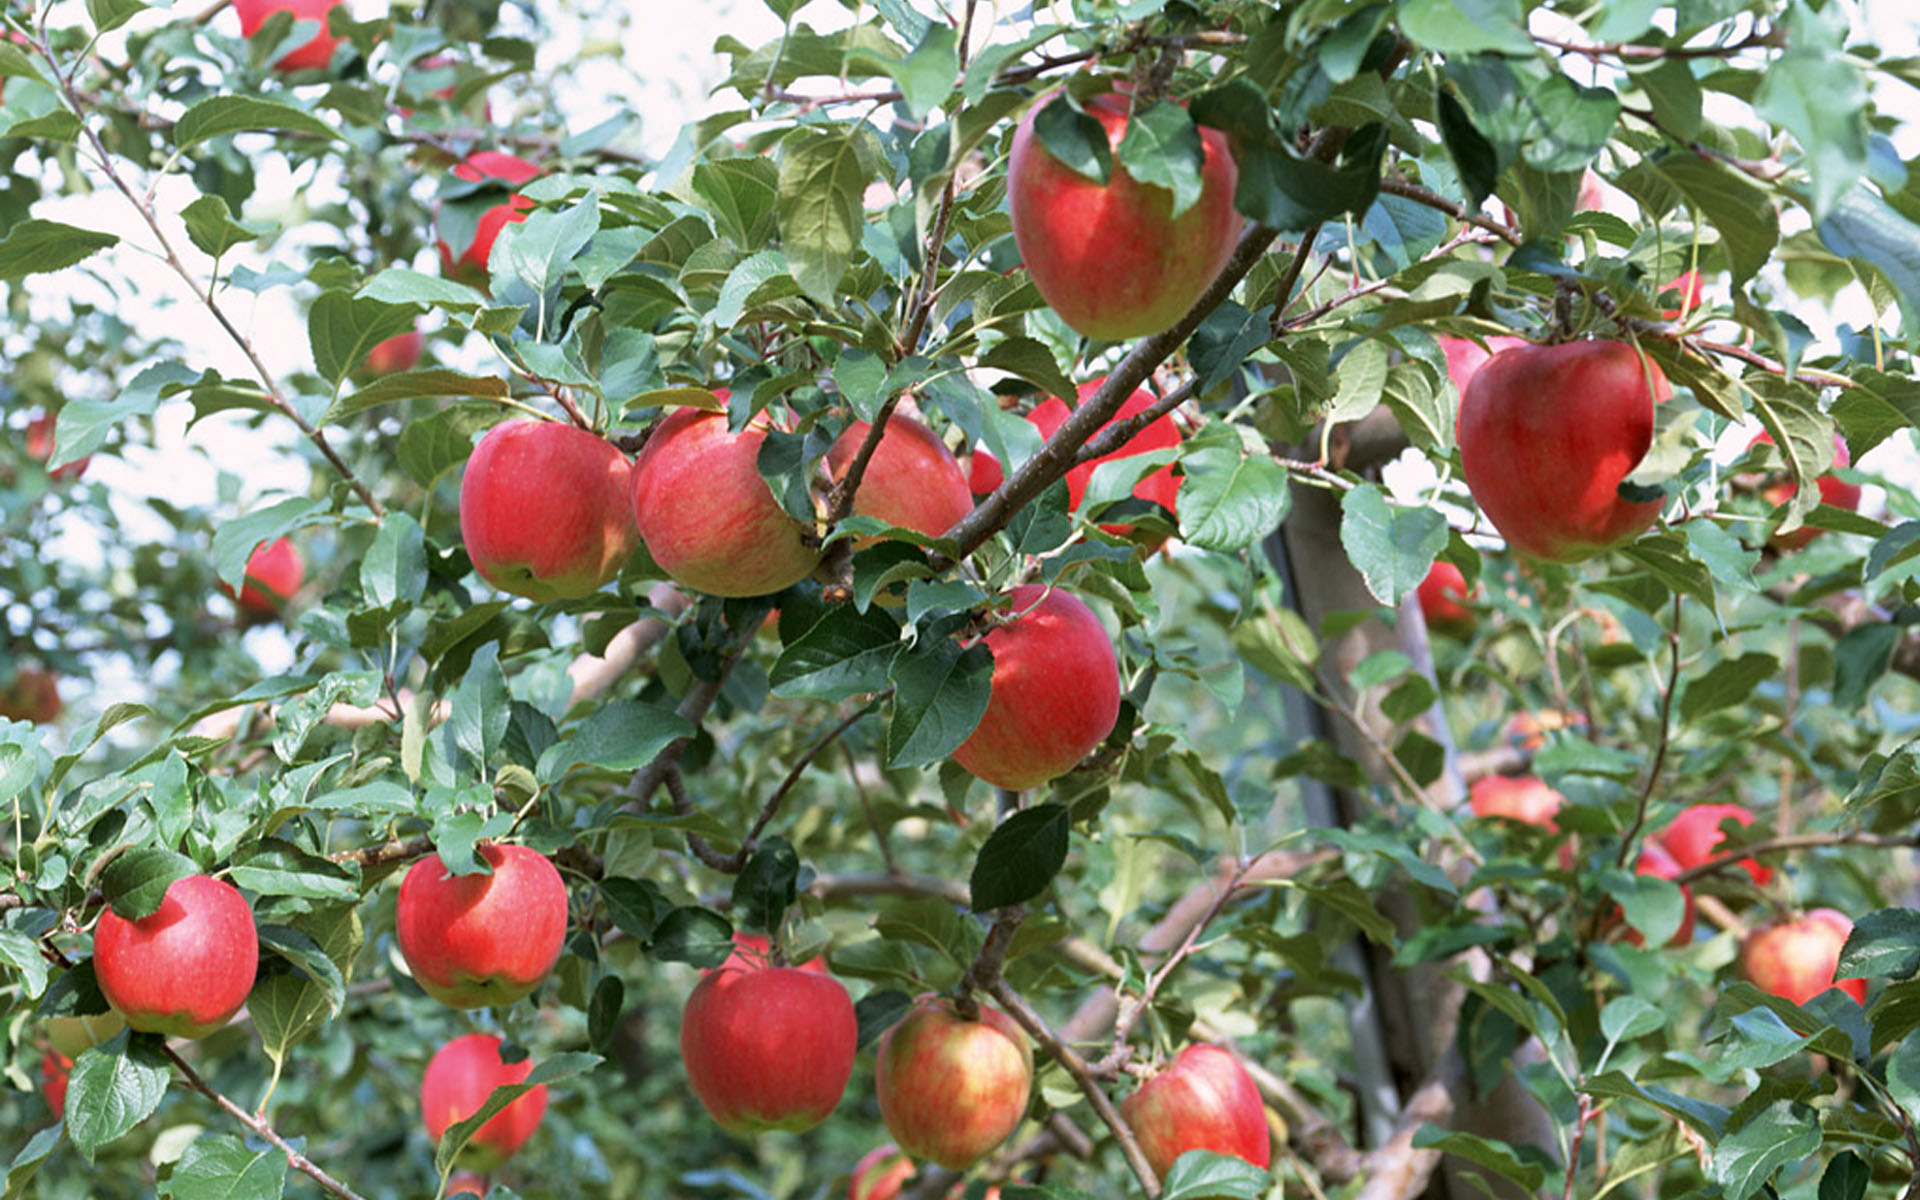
{"points": [[1548, 434], [768, 1048], [1686, 290], [1442, 595], [458, 1080], [1795, 960], [1160, 487], [185, 969], [1056, 691], [54, 1070], [708, 517], [32, 695], [1833, 490], [1693, 837], [880, 1174], [1203, 1100], [469, 265], [399, 353], [913, 480], [984, 473], [474, 941], [311, 55], [544, 511], [1465, 356], [72, 1036], [1522, 798], [1111, 258], [951, 1089], [466, 1183], [40, 446], [274, 572]]}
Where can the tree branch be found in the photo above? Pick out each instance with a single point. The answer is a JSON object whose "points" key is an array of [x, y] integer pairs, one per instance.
{"points": [[261, 1128], [733, 864], [1408, 190], [1798, 841]]}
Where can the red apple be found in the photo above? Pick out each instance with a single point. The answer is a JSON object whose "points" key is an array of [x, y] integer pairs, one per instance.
{"points": [[770, 1048], [398, 353], [1055, 691], [1795, 960], [470, 264], [311, 55], [73, 1036], [708, 517], [1465, 356], [54, 1069], [185, 969], [1111, 259], [33, 696], [544, 511], [880, 1174], [1161, 487], [475, 941], [1693, 836], [1204, 1100], [1690, 289], [913, 481], [984, 474], [752, 952], [951, 1089], [1547, 434], [1833, 490], [1441, 594], [458, 1080], [274, 572], [1654, 860], [466, 1183], [1520, 798], [39, 445], [1529, 730]]}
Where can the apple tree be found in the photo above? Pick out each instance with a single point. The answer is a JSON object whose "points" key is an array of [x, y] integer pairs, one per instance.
{"points": [[1188, 598]]}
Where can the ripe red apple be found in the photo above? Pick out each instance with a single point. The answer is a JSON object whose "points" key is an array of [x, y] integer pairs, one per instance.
{"points": [[1522, 798], [39, 445], [1796, 959], [1161, 487], [708, 517], [311, 55], [770, 1048], [474, 941], [1204, 1100], [544, 511], [752, 952], [274, 572], [73, 1036], [880, 1174], [1689, 288], [1654, 860], [185, 969], [470, 264], [1529, 730], [951, 1089], [1056, 691], [1547, 434], [54, 1069], [1465, 356], [1441, 595], [912, 481], [33, 696], [1695, 834], [1111, 259], [398, 353], [1833, 490], [458, 1080], [984, 474]]}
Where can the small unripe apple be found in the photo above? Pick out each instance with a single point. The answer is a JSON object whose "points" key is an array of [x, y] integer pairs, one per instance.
{"points": [[1055, 691], [1522, 798], [913, 481], [186, 968], [399, 353], [33, 696], [1442, 595], [274, 572], [1465, 356], [311, 55], [951, 1089], [706, 514], [1203, 1100], [769, 1048], [54, 1069], [752, 951], [1795, 960], [1833, 490], [544, 511], [1111, 258], [40, 446], [470, 264], [1529, 730], [1548, 434], [457, 1082], [474, 941], [880, 1174], [1162, 487], [1693, 836], [72, 1036]]}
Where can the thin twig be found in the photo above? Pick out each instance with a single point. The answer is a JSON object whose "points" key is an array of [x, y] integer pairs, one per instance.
{"points": [[1408, 190], [1797, 841], [1629, 845], [260, 1127], [1637, 52], [984, 970], [733, 864]]}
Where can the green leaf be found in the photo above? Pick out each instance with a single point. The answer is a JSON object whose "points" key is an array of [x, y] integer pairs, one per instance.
{"points": [[1884, 944], [1025, 357], [109, 15], [1815, 92], [433, 445], [477, 719], [1227, 337], [221, 115], [20, 952], [741, 193], [1726, 684], [878, 1011], [342, 328], [1497, 1157], [824, 170], [26, 1164], [1231, 497], [220, 1167], [136, 882], [236, 540], [1741, 210], [1868, 230], [35, 247], [928, 75], [113, 1087], [211, 227], [1020, 857], [308, 955], [1205, 1175], [1392, 547], [1860, 658], [767, 886], [273, 867], [1162, 148], [553, 1070], [637, 906], [1652, 905], [1572, 124], [537, 253], [1846, 1178], [1903, 1076], [1278, 185], [1783, 1132], [624, 735], [287, 1008], [1474, 157], [940, 693], [690, 934], [1074, 139], [1466, 26]]}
